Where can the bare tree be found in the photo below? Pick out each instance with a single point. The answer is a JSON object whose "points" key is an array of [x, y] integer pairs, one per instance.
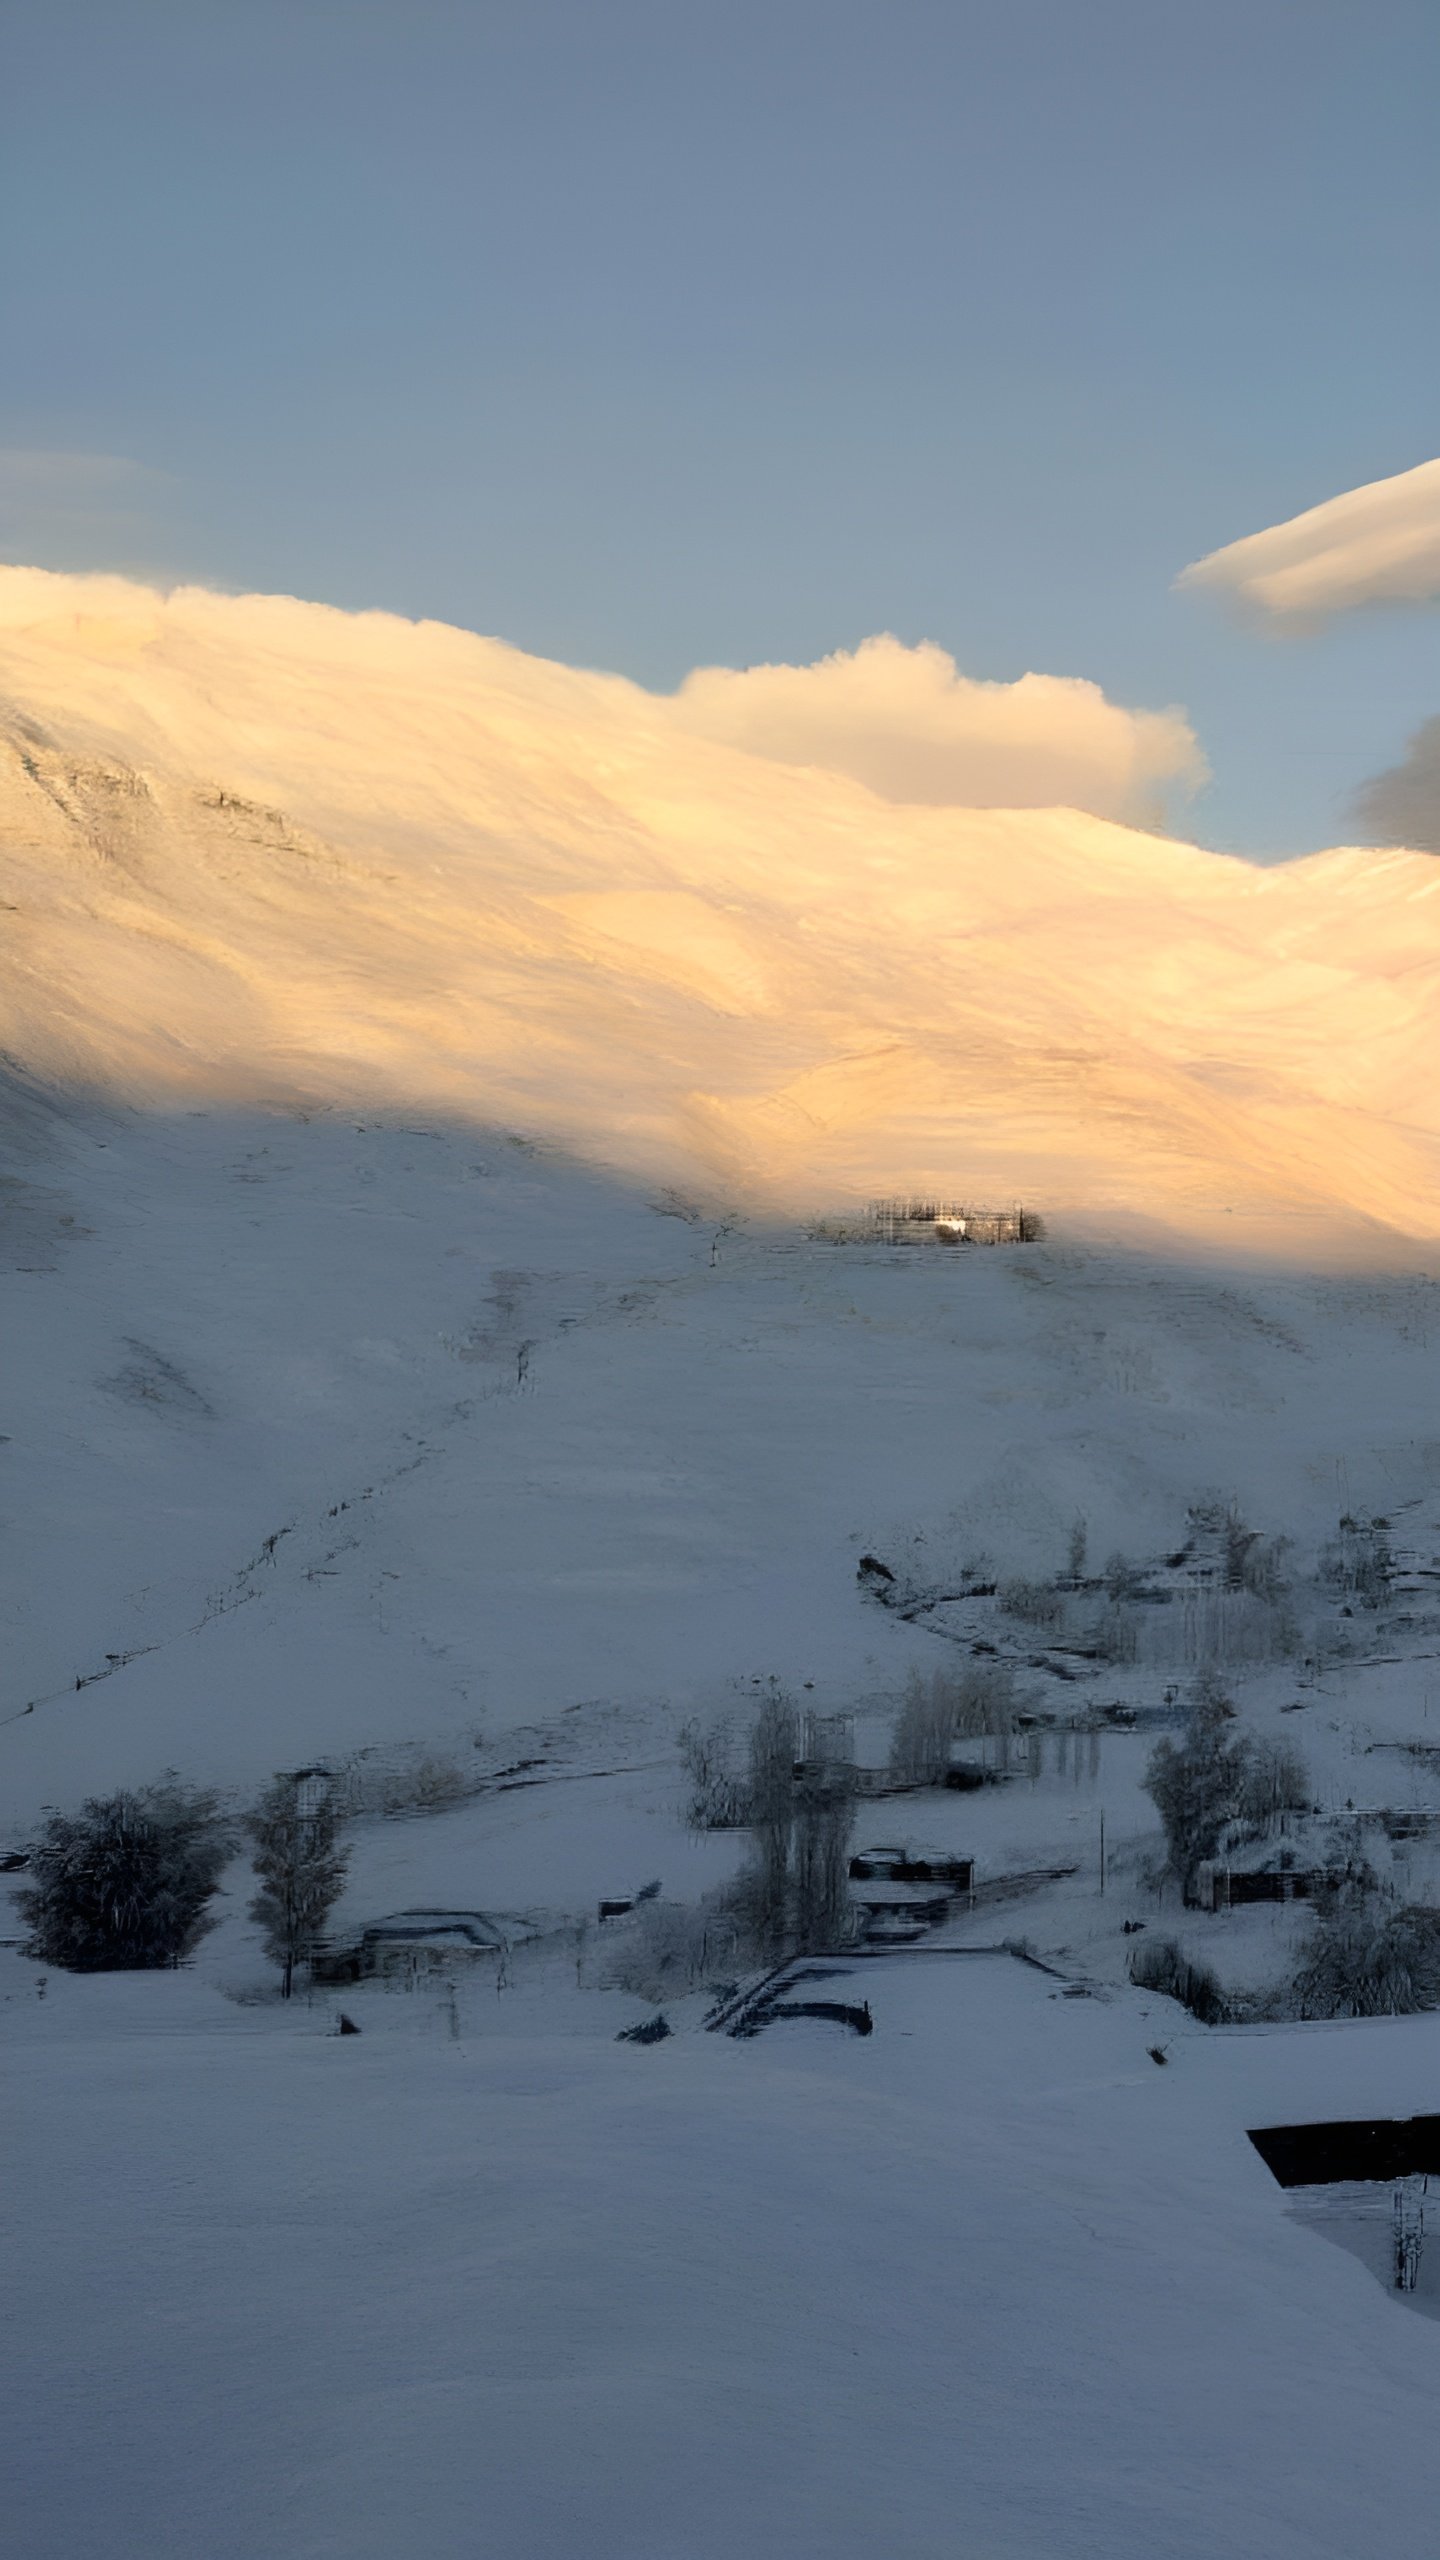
{"points": [[975, 1700], [774, 1745], [824, 1819], [716, 1800], [801, 1811], [1124, 1581], [1359, 1562], [1274, 1783], [924, 1730], [300, 1871]]}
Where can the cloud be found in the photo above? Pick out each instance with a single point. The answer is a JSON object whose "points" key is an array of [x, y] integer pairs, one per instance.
{"points": [[75, 509], [909, 725], [1402, 805], [1376, 545]]}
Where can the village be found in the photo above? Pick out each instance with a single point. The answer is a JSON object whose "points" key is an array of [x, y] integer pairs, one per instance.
{"points": [[735, 1680]]}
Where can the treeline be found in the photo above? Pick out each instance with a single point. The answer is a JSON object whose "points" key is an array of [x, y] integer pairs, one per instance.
{"points": [[128, 1883]]}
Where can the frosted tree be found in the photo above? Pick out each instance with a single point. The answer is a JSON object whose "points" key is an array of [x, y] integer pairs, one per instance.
{"points": [[716, 1800], [824, 1822], [1198, 1785], [774, 1747], [975, 1700], [125, 1883], [1359, 1563], [1367, 1954], [1275, 1784], [801, 1811], [925, 1729], [300, 1871]]}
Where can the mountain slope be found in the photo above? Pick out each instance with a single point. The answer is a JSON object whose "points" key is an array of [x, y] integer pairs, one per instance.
{"points": [[255, 850]]}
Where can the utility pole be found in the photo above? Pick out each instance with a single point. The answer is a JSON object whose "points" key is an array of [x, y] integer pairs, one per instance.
{"points": [[1102, 1850]]}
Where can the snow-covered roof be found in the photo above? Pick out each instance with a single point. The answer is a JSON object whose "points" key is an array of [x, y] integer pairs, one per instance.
{"points": [[477, 1927]]}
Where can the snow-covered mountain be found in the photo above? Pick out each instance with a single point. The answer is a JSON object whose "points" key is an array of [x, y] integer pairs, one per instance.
{"points": [[418, 1360], [260, 851], [353, 1430]]}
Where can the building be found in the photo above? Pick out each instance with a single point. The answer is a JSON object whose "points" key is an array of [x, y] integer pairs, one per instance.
{"points": [[411, 1943], [1219, 1886], [949, 1222], [900, 1891], [909, 1865]]}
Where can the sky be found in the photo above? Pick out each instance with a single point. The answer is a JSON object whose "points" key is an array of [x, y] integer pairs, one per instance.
{"points": [[654, 334]]}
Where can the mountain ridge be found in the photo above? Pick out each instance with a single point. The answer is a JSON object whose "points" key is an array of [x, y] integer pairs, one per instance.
{"points": [[256, 850]]}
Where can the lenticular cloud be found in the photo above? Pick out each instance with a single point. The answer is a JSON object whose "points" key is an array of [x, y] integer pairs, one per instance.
{"points": [[911, 727], [1375, 545]]}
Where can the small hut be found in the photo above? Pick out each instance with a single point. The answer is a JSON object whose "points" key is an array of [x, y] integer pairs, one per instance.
{"points": [[410, 1944]]}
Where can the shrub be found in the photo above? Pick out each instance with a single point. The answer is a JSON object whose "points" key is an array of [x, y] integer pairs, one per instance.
{"points": [[403, 1778], [1038, 1603], [717, 1798], [666, 1948], [1161, 1965], [1366, 1956], [124, 1884]]}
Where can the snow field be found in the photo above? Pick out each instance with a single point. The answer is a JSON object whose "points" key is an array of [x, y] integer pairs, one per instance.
{"points": [[988, 2280]]}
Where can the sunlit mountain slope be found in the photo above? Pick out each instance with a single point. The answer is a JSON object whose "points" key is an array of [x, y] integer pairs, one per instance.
{"points": [[256, 850]]}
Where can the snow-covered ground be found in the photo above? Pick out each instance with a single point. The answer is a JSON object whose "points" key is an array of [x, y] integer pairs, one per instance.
{"points": [[327, 1437], [987, 2280], [322, 1434], [418, 1361], [330, 1438]]}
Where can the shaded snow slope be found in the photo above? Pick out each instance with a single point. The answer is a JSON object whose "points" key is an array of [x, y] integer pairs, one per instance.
{"points": [[335, 1432], [985, 2282], [258, 850]]}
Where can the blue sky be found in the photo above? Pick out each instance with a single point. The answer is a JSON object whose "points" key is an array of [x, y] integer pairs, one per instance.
{"points": [[652, 333]]}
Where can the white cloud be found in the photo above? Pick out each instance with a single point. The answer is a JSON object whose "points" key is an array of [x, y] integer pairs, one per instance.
{"points": [[909, 725], [1376, 545]]}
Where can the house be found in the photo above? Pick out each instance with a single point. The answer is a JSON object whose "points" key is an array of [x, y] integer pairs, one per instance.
{"points": [[949, 1222], [910, 1865], [413, 1943], [900, 1891], [1219, 1886]]}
